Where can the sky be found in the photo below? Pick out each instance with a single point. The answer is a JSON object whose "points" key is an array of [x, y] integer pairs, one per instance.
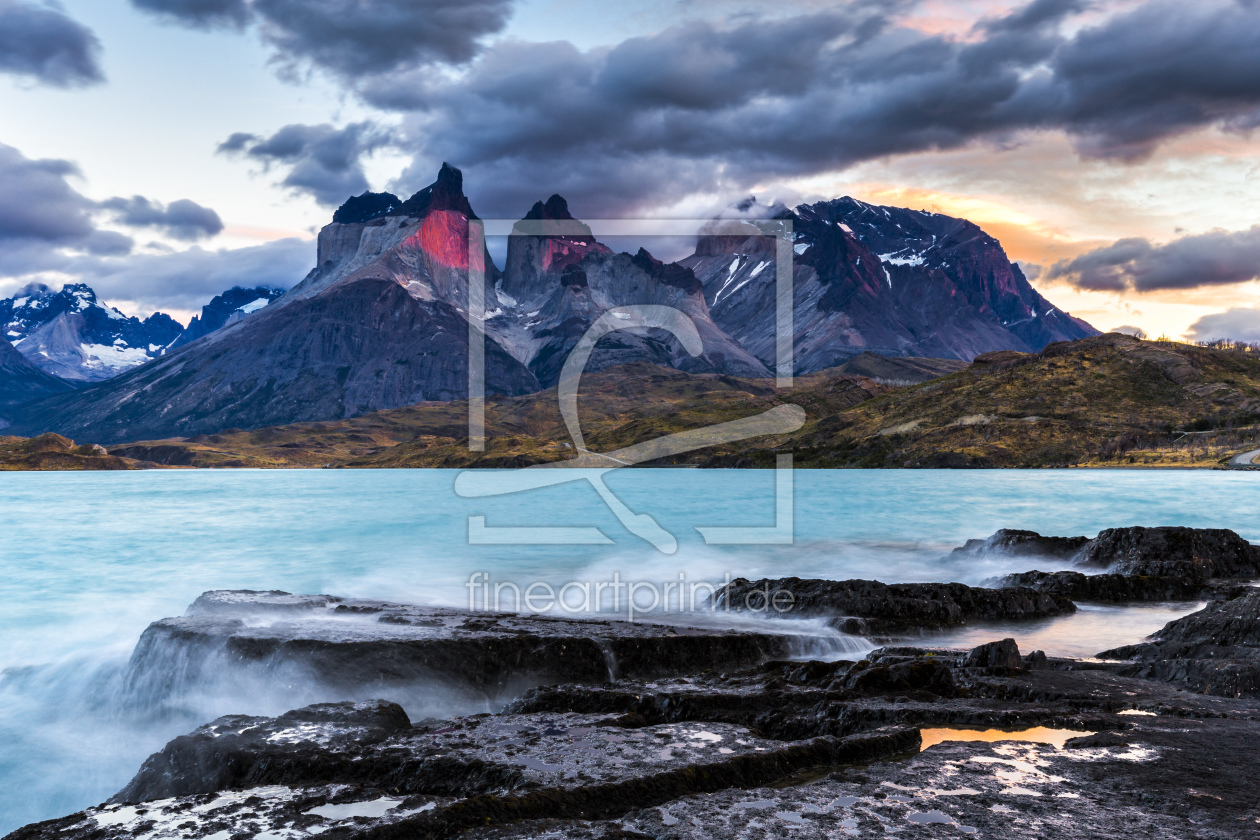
{"points": [[163, 151]]}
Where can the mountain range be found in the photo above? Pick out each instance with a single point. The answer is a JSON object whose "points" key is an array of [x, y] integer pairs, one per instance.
{"points": [[72, 335], [75, 337], [381, 321]]}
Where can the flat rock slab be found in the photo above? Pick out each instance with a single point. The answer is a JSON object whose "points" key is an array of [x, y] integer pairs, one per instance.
{"points": [[1168, 780], [335, 648], [360, 768]]}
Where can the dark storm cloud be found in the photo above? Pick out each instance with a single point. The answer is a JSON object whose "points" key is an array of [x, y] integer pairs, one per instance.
{"points": [[1209, 259], [38, 203], [1161, 70], [182, 219], [1241, 324], [200, 13], [699, 106], [323, 161], [1035, 15], [351, 37], [41, 42]]}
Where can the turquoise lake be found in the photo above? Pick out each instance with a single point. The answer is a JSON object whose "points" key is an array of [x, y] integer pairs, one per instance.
{"points": [[89, 559]]}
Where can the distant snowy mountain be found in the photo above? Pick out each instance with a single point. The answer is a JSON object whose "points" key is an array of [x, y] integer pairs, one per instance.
{"points": [[227, 308], [72, 335]]}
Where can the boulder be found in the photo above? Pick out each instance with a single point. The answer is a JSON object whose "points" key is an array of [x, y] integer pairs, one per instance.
{"points": [[1192, 553], [1015, 543], [995, 655]]}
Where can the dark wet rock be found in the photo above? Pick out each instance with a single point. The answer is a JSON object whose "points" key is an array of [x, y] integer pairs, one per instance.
{"points": [[914, 676], [793, 700], [1162, 784], [998, 656], [868, 607], [1215, 650], [319, 646], [240, 751], [1015, 543], [1142, 564], [1110, 588], [1036, 661], [439, 780], [1192, 553], [787, 747]]}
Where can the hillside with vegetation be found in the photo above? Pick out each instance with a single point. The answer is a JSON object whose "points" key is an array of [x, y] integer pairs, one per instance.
{"points": [[1110, 400]]}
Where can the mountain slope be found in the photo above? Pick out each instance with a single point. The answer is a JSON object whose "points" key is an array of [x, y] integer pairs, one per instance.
{"points": [[378, 323], [73, 336], [21, 381]]}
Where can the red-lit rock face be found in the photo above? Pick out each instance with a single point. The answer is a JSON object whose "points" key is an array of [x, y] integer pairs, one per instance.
{"points": [[443, 237], [558, 253]]}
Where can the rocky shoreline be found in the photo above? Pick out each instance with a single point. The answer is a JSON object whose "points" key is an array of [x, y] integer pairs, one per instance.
{"points": [[586, 728]]}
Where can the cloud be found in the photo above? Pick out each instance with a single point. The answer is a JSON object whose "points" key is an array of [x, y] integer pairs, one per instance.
{"points": [[41, 42], [182, 219], [166, 280], [1209, 259], [1240, 324], [323, 161], [352, 37], [1031, 270], [37, 201], [726, 107], [187, 279], [199, 13], [47, 234]]}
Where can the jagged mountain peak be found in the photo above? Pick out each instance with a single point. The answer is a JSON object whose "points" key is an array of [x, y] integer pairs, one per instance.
{"points": [[541, 256], [366, 207], [555, 208], [445, 193]]}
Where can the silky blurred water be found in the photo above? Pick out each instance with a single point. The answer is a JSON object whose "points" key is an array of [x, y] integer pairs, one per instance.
{"points": [[89, 559]]}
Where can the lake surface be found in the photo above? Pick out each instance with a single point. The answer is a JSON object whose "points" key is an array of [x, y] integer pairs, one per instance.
{"points": [[89, 559]]}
